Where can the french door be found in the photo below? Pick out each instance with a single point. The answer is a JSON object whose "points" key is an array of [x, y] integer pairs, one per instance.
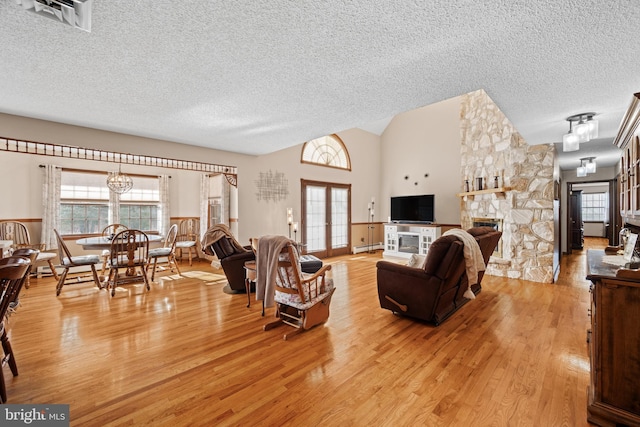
{"points": [[326, 218]]}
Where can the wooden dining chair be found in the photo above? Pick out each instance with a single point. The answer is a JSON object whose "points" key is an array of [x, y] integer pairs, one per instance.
{"points": [[302, 299], [168, 251], [109, 232], [13, 271], [129, 251], [188, 238], [32, 255], [67, 261], [18, 232]]}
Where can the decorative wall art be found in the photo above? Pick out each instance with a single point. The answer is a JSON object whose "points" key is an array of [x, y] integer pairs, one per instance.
{"points": [[272, 186], [406, 178]]}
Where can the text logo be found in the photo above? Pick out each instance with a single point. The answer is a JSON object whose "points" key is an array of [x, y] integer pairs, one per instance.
{"points": [[34, 415]]}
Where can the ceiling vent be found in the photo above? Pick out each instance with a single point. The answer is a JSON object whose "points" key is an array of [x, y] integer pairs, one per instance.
{"points": [[76, 13]]}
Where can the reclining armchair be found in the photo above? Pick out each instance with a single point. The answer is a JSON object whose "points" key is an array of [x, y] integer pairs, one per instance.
{"points": [[219, 241], [434, 291]]}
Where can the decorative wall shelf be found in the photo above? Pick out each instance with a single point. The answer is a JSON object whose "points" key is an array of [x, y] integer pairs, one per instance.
{"points": [[498, 191]]}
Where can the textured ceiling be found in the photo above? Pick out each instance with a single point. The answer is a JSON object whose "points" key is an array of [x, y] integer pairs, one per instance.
{"points": [[254, 77]]}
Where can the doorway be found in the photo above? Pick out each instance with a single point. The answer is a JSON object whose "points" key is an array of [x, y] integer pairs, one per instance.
{"points": [[598, 215], [326, 218]]}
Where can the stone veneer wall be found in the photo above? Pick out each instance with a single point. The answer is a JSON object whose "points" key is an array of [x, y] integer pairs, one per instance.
{"points": [[492, 146]]}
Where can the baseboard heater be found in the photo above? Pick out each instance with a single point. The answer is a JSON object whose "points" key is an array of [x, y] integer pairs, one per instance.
{"points": [[367, 248]]}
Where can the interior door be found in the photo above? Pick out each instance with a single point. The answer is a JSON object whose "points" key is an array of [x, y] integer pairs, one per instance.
{"points": [[575, 217], [326, 218]]}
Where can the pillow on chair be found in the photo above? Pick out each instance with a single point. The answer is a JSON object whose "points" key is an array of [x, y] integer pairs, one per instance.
{"points": [[223, 248], [416, 261]]}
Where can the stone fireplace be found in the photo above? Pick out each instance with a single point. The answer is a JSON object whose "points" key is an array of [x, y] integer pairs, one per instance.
{"points": [[492, 149]]}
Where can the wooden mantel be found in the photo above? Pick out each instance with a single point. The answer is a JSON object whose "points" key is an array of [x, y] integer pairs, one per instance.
{"points": [[498, 191]]}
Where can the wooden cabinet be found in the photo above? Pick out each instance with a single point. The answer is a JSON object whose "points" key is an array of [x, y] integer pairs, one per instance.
{"points": [[628, 139], [390, 238], [634, 175], [630, 178], [614, 345]]}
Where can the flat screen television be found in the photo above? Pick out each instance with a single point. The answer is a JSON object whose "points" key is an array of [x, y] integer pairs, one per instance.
{"points": [[418, 209]]}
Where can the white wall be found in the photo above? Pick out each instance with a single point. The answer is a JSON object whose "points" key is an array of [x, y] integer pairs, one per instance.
{"points": [[423, 141], [183, 203], [269, 217], [23, 200]]}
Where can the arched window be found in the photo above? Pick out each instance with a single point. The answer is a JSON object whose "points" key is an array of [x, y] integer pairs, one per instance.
{"points": [[326, 151]]}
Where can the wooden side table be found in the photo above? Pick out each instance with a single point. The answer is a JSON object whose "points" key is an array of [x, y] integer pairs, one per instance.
{"points": [[250, 277]]}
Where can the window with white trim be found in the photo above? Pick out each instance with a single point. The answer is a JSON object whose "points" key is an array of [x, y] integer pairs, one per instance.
{"points": [[595, 206], [139, 206], [326, 151], [84, 203]]}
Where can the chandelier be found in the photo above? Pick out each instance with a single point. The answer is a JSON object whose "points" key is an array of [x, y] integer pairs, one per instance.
{"points": [[585, 130], [119, 182]]}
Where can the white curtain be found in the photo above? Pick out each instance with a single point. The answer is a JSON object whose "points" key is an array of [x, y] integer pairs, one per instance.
{"points": [[204, 204], [114, 207], [165, 207], [51, 205]]}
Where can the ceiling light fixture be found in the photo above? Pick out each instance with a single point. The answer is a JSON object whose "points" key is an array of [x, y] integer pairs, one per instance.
{"points": [[581, 171], [119, 182], [587, 166], [586, 129], [570, 141]]}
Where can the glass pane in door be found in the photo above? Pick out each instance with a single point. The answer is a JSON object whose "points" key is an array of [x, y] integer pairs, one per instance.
{"points": [[316, 218], [339, 218]]}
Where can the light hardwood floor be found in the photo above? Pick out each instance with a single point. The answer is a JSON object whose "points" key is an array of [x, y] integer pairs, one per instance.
{"points": [[186, 353]]}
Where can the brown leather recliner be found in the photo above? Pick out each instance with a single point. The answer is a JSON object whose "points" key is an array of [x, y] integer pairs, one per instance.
{"points": [[232, 261], [435, 291]]}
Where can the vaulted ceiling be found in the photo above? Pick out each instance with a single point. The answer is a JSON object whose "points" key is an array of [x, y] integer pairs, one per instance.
{"points": [[257, 76]]}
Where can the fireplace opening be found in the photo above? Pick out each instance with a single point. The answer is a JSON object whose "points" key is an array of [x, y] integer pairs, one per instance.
{"points": [[408, 242], [496, 224]]}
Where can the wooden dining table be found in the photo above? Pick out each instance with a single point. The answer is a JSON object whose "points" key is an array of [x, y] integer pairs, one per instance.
{"points": [[102, 242]]}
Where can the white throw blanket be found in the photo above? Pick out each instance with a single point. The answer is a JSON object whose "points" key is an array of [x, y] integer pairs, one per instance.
{"points": [[474, 262], [269, 248]]}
